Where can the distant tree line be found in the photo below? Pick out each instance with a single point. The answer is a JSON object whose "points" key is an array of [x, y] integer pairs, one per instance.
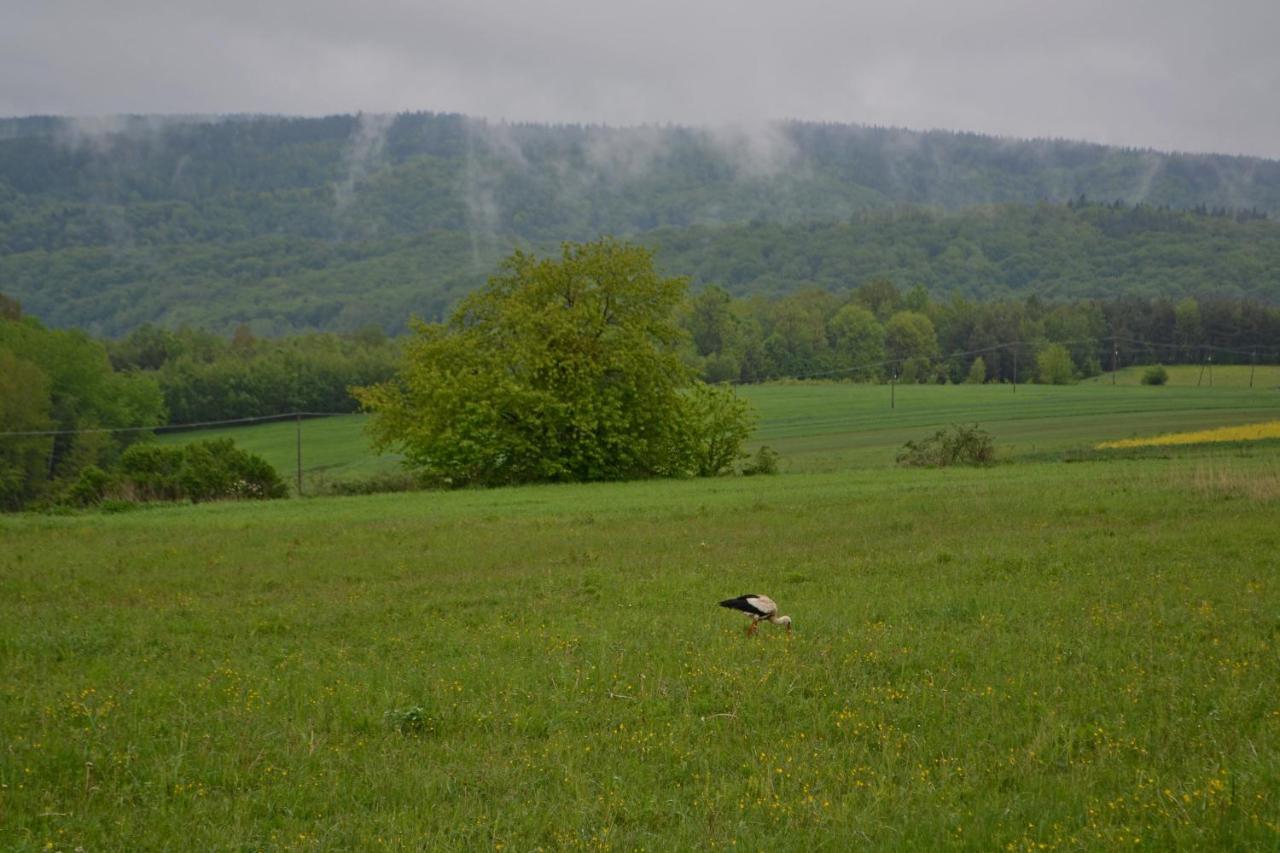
{"points": [[204, 377], [77, 400], [875, 332]]}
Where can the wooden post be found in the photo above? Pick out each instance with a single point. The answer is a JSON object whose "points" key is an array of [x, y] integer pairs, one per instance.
{"points": [[298, 421], [1115, 357], [1015, 370], [1253, 359], [893, 378]]}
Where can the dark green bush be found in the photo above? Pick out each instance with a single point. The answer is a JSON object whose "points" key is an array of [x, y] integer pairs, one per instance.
{"points": [[152, 472], [411, 722], [765, 461], [218, 470], [1155, 375], [202, 471], [90, 487], [955, 445]]}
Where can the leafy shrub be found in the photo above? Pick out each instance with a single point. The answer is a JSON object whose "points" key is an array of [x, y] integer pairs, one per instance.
{"points": [[217, 469], [151, 472], [955, 445], [764, 462], [1155, 375], [90, 487], [411, 721], [202, 471]]}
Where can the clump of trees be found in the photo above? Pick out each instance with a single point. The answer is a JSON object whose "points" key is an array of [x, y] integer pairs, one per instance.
{"points": [[204, 377], [564, 369], [74, 410], [60, 396]]}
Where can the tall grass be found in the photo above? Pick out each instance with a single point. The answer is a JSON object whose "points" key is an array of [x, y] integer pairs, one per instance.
{"points": [[1034, 656]]}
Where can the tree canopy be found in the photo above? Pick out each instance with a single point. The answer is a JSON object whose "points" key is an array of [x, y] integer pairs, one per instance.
{"points": [[563, 369]]}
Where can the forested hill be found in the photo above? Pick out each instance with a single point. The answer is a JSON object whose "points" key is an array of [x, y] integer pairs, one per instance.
{"points": [[1057, 252], [334, 223]]}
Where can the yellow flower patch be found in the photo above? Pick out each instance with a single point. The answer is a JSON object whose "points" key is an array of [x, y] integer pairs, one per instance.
{"points": [[1245, 432]]}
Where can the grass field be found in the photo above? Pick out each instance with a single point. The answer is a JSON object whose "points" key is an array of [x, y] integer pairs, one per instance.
{"points": [[838, 426], [1040, 655], [1265, 376]]}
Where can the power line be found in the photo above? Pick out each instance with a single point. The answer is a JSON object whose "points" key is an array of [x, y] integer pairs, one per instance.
{"points": [[177, 427]]}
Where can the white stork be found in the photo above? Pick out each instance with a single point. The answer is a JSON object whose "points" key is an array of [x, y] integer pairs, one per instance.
{"points": [[759, 608]]}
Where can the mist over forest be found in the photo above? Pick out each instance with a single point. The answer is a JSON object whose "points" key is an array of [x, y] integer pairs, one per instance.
{"points": [[338, 223]]}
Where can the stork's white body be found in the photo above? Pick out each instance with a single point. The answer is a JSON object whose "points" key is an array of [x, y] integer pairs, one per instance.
{"points": [[759, 608]]}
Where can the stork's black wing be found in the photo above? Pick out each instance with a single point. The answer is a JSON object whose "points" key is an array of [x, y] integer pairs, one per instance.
{"points": [[743, 603]]}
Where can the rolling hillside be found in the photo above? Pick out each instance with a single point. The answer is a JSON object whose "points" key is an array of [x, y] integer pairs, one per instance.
{"points": [[340, 222]]}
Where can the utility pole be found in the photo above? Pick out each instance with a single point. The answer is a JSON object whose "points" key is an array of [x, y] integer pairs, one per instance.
{"points": [[298, 422], [1200, 378], [893, 378], [1015, 370], [1115, 357], [1253, 359], [1210, 370]]}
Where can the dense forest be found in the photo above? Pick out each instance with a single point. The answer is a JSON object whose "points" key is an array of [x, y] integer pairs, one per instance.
{"points": [[338, 223]]}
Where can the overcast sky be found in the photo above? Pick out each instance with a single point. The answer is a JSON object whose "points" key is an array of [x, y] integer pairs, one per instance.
{"points": [[1190, 75]]}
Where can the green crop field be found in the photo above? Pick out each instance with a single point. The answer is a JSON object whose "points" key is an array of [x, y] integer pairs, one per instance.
{"points": [[836, 426], [1039, 655], [1266, 376]]}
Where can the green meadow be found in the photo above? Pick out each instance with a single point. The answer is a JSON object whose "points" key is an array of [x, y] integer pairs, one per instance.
{"points": [[1046, 654], [831, 426], [1264, 376]]}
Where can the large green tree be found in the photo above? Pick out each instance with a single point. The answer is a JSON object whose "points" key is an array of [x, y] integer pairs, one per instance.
{"points": [[563, 369]]}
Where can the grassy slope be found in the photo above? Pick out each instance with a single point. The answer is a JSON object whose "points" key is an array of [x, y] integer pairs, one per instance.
{"points": [[1076, 655]]}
